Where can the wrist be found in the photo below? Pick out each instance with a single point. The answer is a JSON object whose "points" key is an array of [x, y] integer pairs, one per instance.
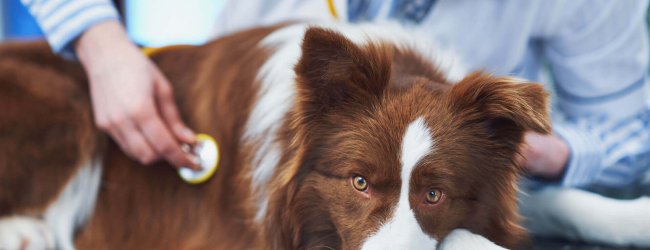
{"points": [[546, 155], [559, 158], [101, 41]]}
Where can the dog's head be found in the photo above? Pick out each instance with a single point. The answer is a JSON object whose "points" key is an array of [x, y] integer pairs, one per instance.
{"points": [[387, 155]]}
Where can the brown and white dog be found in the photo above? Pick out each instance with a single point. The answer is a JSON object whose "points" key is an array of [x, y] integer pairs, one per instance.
{"points": [[331, 137]]}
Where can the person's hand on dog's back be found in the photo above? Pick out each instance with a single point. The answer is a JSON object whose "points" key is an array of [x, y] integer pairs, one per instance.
{"points": [[132, 100]]}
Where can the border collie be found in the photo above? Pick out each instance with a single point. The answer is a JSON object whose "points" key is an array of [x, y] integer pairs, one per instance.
{"points": [[336, 137]]}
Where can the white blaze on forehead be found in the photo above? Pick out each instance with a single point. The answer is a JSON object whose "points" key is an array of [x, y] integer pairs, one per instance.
{"points": [[402, 231]]}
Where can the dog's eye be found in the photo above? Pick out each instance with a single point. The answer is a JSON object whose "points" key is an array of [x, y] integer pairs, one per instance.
{"points": [[360, 183], [434, 196]]}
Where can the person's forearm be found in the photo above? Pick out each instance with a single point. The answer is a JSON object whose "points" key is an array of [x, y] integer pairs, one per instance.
{"points": [[102, 40]]}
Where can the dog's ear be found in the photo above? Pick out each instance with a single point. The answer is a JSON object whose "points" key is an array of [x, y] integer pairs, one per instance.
{"points": [[503, 108], [503, 105], [334, 76], [333, 72]]}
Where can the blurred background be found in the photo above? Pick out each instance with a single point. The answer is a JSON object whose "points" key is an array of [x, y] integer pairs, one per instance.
{"points": [[171, 23]]}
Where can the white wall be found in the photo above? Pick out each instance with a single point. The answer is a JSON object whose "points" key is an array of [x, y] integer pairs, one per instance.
{"points": [[171, 23]]}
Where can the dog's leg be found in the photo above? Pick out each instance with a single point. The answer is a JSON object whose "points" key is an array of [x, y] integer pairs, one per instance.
{"points": [[582, 215], [464, 239], [75, 204]]}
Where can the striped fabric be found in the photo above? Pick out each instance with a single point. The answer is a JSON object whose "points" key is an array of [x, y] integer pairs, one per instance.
{"points": [[411, 11], [63, 21], [607, 152]]}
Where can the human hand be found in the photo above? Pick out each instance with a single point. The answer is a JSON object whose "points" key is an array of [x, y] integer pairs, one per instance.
{"points": [[544, 155], [132, 100]]}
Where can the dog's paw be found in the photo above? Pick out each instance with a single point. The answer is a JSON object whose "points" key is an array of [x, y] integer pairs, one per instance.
{"points": [[24, 233], [585, 216], [464, 239]]}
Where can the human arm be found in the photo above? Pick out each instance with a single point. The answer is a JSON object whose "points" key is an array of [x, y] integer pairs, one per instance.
{"points": [[599, 56], [132, 100]]}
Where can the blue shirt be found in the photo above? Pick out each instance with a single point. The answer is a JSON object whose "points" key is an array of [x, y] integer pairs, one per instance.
{"points": [[595, 52]]}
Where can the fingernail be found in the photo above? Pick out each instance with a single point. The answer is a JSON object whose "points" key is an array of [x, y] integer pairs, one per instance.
{"points": [[186, 148], [196, 163]]}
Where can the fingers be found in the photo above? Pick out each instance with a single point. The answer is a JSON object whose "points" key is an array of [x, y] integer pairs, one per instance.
{"points": [[129, 139], [161, 138], [167, 107], [125, 94], [143, 136], [137, 146]]}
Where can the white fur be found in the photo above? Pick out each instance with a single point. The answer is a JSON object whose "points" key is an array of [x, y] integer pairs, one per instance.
{"points": [[402, 231], [18, 232], [277, 86], [461, 239], [276, 95], [586, 216], [75, 204]]}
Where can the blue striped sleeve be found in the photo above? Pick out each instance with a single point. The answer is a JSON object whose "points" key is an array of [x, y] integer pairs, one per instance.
{"points": [[586, 155], [607, 153], [63, 21]]}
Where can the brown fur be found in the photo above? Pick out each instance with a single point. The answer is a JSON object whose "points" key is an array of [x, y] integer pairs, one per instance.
{"points": [[45, 126], [352, 107]]}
